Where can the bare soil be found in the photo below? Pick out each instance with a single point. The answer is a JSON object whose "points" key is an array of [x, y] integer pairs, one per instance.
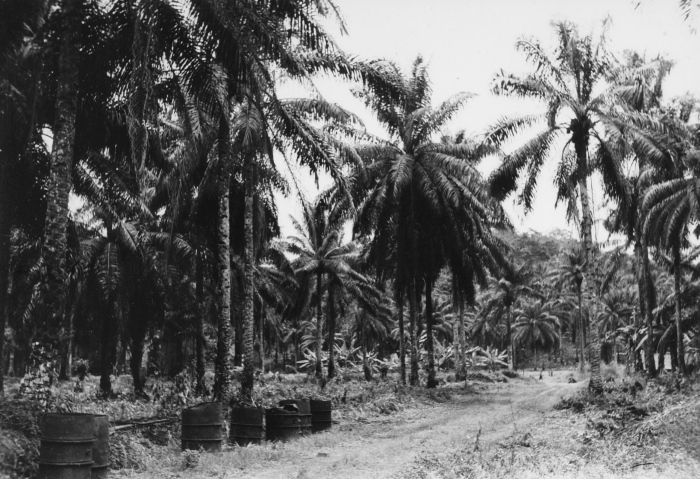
{"points": [[383, 449]]}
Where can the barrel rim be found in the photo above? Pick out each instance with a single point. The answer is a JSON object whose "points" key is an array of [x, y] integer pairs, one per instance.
{"points": [[203, 404], [60, 464], [188, 424], [77, 440]]}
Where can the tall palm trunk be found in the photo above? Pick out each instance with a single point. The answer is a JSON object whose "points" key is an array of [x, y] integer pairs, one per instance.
{"points": [[648, 310], [679, 317], [222, 369], [456, 351], [319, 322], [412, 333], [596, 382], [55, 242], [4, 262], [432, 381], [331, 331], [363, 341], [462, 342], [247, 377], [402, 341], [509, 327], [581, 336], [199, 333]]}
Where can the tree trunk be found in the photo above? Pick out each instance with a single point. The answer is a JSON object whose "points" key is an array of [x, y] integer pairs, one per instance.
{"points": [[331, 331], [247, 378], [432, 381], [4, 265], [679, 316], [456, 358], [402, 342], [365, 363], [319, 323], [462, 342], [596, 382], [106, 355], [199, 333], [581, 336], [55, 243], [222, 369], [135, 361], [509, 334], [651, 346], [412, 333]]}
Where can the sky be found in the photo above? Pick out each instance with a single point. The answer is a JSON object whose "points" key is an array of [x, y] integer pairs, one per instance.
{"points": [[466, 42]]}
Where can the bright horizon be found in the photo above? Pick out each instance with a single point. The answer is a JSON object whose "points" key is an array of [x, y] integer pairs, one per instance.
{"points": [[465, 42]]}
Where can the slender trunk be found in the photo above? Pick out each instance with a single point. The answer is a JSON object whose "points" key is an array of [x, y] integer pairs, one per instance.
{"points": [[462, 342], [263, 316], [412, 333], [432, 381], [509, 334], [319, 322], [651, 345], [4, 272], [105, 355], [135, 363], [679, 316], [222, 368], [402, 342], [199, 325], [581, 336], [596, 382], [331, 331], [365, 364], [247, 378], [456, 359], [55, 242]]}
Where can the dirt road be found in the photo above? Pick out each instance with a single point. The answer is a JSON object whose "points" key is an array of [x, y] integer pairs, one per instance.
{"points": [[382, 449]]}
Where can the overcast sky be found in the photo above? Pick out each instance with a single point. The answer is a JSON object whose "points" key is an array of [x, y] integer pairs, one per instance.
{"points": [[465, 42]]}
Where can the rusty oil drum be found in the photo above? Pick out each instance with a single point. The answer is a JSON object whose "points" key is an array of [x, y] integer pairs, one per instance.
{"points": [[202, 427], [66, 446], [246, 425], [100, 448], [282, 424], [304, 409], [321, 412]]}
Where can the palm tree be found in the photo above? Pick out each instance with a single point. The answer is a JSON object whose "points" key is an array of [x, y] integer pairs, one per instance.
{"points": [[669, 206], [321, 254], [535, 325], [505, 295], [572, 272], [54, 247], [567, 84], [416, 194]]}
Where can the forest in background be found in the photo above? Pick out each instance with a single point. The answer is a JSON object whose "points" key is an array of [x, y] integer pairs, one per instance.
{"points": [[165, 120]]}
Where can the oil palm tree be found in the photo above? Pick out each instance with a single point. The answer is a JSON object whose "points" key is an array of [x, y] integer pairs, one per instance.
{"points": [[572, 272], [416, 194], [320, 254], [595, 135], [536, 325]]}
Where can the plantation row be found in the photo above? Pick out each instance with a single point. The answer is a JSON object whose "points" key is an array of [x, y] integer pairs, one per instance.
{"points": [[163, 120]]}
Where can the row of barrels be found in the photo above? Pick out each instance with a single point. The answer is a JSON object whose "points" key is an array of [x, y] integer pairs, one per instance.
{"points": [[74, 446], [202, 424]]}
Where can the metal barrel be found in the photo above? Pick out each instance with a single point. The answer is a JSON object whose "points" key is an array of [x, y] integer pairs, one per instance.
{"points": [[281, 424], [66, 446], [100, 448], [304, 408], [320, 415], [246, 425], [202, 427]]}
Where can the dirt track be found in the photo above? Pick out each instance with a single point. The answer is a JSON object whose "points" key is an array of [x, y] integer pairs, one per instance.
{"points": [[380, 450]]}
